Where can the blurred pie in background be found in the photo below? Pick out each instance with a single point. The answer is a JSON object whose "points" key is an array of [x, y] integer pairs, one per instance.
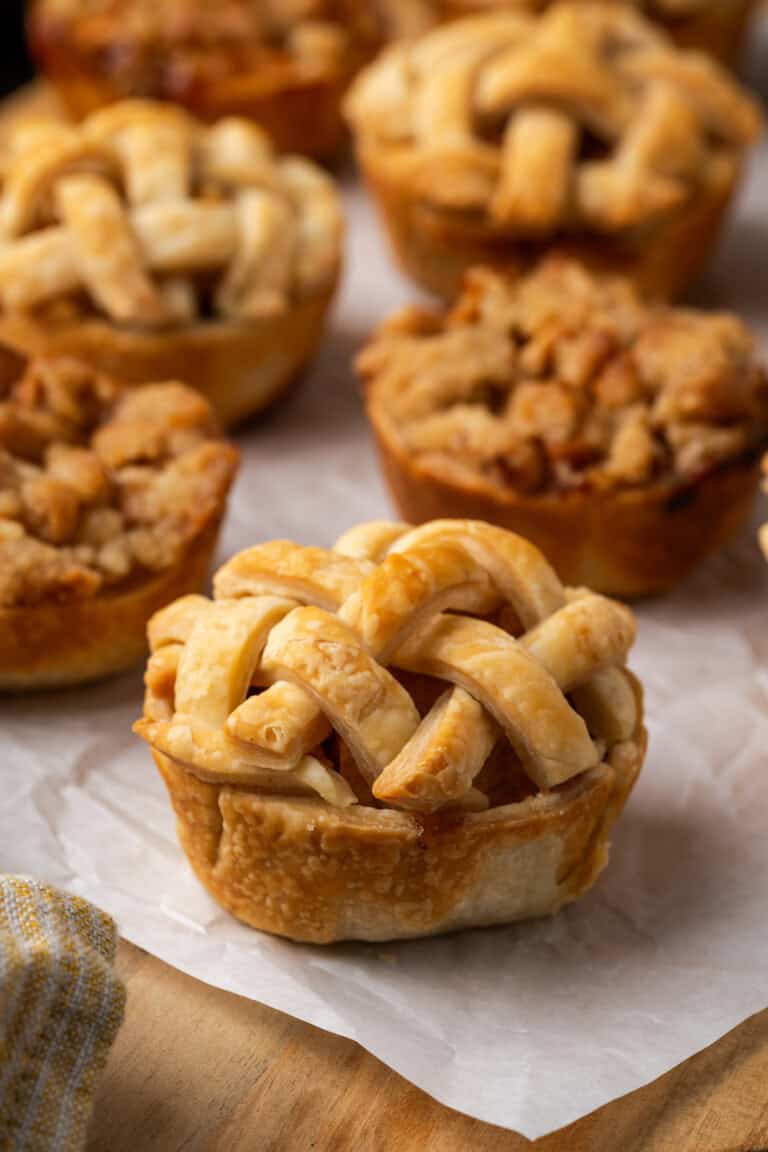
{"points": [[715, 26], [505, 135], [284, 63], [110, 506], [623, 440], [155, 247]]}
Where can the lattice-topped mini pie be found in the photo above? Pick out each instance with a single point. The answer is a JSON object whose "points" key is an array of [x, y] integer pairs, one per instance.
{"points": [[623, 440], [414, 731], [156, 248], [494, 138], [284, 63], [110, 504], [714, 26]]}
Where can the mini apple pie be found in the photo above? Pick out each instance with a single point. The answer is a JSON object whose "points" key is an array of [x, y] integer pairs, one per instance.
{"points": [[623, 440], [714, 26], [415, 731], [496, 138], [110, 504], [155, 248], [285, 63]]}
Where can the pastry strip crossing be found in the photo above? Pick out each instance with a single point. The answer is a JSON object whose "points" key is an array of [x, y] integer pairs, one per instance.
{"points": [[585, 104], [143, 210], [574, 127], [312, 629]]}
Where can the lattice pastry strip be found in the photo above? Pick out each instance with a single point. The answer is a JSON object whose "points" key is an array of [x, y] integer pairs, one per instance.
{"points": [[392, 602], [153, 146], [107, 253], [538, 152], [517, 689], [584, 116], [381, 606], [442, 759], [315, 628], [369, 709], [370, 541], [145, 211], [213, 671], [534, 591]]}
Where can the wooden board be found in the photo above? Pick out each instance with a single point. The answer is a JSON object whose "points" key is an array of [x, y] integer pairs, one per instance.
{"points": [[200, 1070]]}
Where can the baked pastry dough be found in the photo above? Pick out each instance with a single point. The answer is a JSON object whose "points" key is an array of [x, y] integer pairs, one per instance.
{"points": [[714, 26], [764, 530], [155, 248], [110, 503], [623, 440], [497, 137], [283, 63], [415, 731]]}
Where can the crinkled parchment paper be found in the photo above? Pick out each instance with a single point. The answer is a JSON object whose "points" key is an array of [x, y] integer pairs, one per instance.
{"points": [[531, 1026]]}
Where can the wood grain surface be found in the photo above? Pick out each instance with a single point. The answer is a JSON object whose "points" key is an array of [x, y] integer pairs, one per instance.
{"points": [[200, 1070]]}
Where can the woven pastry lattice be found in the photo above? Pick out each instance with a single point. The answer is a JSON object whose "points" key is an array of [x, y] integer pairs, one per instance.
{"points": [[154, 219], [583, 117], [301, 643]]}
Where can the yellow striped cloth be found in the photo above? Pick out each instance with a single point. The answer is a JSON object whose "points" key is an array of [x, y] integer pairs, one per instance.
{"points": [[61, 1005]]}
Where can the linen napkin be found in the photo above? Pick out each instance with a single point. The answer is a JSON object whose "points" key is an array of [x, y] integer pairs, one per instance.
{"points": [[61, 1005]]}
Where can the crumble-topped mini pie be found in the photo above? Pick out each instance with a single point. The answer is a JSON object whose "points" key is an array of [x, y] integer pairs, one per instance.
{"points": [[623, 440], [284, 63], [415, 731], [155, 248], [110, 504], [714, 26], [498, 137]]}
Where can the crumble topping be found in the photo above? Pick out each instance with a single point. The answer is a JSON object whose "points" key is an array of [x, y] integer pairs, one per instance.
{"points": [[559, 381], [99, 486]]}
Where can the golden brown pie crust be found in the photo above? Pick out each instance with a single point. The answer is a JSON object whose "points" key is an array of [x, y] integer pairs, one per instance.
{"points": [[274, 723], [304, 118], [630, 544], [625, 535], [155, 247], [104, 517], [55, 645], [301, 869], [216, 60], [717, 27], [240, 368], [503, 136], [435, 249]]}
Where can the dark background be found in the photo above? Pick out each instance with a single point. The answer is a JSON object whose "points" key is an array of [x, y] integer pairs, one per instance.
{"points": [[15, 67]]}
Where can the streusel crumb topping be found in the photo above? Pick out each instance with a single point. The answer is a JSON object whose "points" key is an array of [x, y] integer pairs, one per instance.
{"points": [[560, 381], [98, 486]]}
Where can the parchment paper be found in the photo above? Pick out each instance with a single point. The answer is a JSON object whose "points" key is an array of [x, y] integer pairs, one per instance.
{"points": [[532, 1026]]}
